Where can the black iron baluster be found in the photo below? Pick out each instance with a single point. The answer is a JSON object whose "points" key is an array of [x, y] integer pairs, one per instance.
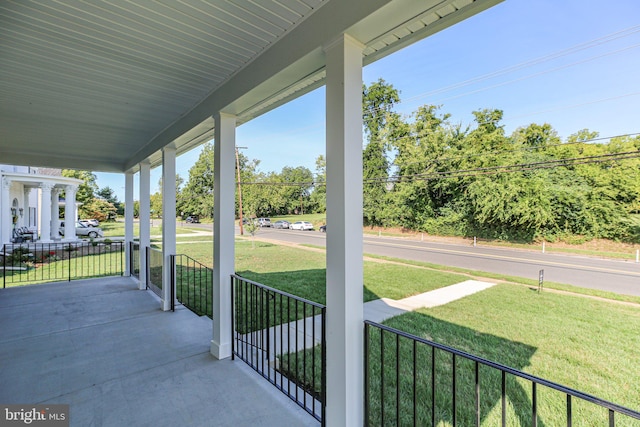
{"points": [[433, 386], [453, 361], [477, 366], [534, 404], [569, 415], [304, 350], [397, 379], [323, 377], [367, 373], [504, 399], [297, 347], [233, 318], [415, 385], [381, 377]]}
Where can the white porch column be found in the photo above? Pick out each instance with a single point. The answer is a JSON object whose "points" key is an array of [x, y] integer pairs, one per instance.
{"points": [[70, 213], [128, 221], [25, 207], [345, 338], [45, 212], [168, 221], [223, 232], [5, 212], [144, 216], [55, 214]]}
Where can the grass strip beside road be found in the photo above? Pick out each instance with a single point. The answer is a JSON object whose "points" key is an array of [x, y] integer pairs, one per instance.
{"points": [[514, 279]]}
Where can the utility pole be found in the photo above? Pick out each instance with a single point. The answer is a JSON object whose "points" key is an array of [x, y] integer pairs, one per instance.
{"points": [[239, 192]]}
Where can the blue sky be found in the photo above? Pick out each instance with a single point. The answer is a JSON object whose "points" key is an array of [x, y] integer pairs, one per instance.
{"points": [[570, 63]]}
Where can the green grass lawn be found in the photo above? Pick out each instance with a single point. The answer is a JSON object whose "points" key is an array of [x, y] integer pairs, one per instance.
{"points": [[584, 344], [116, 229]]}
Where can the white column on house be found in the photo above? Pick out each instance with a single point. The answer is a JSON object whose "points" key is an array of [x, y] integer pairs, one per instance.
{"points": [[345, 354], [55, 213], [144, 216], [223, 232], [168, 221], [45, 212], [5, 212], [25, 207], [70, 213], [128, 220]]}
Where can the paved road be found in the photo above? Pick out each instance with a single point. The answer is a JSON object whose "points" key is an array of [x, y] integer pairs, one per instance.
{"points": [[611, 275], [616, 276]]}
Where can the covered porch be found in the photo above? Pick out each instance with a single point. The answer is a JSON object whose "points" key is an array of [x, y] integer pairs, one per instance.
{"points": [[145, 84], [104, 348]]}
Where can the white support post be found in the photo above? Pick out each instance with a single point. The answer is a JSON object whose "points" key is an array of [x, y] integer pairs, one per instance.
{"points": [[25, 208], [144, 216], [5, 212], [345, 317], [223, 232], [55, 214], [128, 221], [69, 213], [45, 212], [168, 222]]}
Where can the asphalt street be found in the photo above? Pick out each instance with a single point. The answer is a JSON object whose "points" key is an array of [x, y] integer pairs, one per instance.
{"points": [[589, 272]]}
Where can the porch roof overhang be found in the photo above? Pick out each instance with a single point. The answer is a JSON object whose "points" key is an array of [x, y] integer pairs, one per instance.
{"points": [[103, 86]]}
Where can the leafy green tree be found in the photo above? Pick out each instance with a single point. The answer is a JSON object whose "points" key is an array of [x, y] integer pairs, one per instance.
{"points": [[86, 191], [318, 197], [108, 194], [197, 195], [378, 100]]}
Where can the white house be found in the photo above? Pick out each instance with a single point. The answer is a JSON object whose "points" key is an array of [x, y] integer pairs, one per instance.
{"points": [[30, 199]]}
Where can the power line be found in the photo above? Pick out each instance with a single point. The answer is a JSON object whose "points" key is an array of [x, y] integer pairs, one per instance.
{"points": [[516, 150], [518, 167], [564, 52]]}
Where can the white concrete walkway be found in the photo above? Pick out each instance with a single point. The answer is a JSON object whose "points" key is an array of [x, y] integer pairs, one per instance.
{"points": [[385, 308]]}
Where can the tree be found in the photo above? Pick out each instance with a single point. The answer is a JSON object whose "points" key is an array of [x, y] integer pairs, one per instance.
{"points": [[86, 191], [197, 195], [318, 197], [109, 195], [377, 104]]}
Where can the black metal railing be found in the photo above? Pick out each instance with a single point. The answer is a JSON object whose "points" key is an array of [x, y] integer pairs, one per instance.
{"points": [[134, 259], [282, 337], [193, 284], [49, 262], [413, 381], [155, 265]]}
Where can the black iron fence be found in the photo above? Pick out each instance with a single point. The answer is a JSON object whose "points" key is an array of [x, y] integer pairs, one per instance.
{"points": [[282, 337], [134, 259], [414, 381], [193, 284], [49, 262], [155, 265]]}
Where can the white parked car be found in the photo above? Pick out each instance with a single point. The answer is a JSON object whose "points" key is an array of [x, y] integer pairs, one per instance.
{"points": [[83, 230], [89, 222], [301, 225]]}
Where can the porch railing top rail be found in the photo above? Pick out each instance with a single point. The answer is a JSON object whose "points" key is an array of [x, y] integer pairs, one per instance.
{"points": [[550, 384], [195, 261], [286, 294]]}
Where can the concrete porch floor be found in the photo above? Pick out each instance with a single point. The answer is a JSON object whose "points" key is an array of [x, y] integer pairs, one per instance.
{"points": [[107, 350]]}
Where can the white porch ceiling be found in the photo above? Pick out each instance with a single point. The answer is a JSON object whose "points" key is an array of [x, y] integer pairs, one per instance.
{"points": [[105, 85]]}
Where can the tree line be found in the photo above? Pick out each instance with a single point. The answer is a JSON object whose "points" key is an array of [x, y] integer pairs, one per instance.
{"points": [[426, 173]]}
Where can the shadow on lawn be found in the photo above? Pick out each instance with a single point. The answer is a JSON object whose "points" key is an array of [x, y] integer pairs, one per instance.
{"points": [[396, 381]]}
